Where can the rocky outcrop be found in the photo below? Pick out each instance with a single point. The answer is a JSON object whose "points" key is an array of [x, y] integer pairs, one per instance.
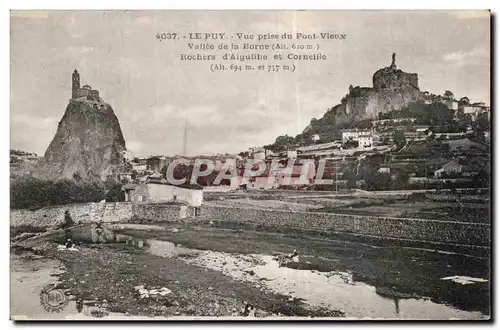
{"points": [[88, 142], [392, 89]]}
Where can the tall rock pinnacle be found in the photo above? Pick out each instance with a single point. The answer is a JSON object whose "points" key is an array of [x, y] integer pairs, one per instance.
{"points": [[89, 140]]}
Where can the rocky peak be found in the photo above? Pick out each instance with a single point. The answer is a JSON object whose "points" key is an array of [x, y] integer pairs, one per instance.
{"points": [[88, 142]]}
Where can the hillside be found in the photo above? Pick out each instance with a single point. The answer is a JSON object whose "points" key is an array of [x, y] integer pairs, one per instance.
{"points": [[392, 89]]}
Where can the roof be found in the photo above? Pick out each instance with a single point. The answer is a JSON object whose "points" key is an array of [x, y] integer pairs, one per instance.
{"points": [[355, 130], [129, 186], [319, 146]]}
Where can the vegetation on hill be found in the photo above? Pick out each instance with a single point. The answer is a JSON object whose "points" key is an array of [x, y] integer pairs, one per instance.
{"points": [[435, 114]]}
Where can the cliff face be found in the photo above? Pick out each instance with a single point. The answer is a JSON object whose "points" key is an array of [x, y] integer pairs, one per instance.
{"points": [[88, 141], [392, 89]]}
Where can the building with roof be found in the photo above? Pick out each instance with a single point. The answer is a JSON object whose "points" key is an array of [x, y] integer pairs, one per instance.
{"points": [[364, 137], [454, 167]]}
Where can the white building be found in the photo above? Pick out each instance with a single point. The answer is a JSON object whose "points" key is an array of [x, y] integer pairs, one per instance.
{"points": [[472, 110], [476, 109], [363, 136], [138, 167], [157, 192], [365, 140]]}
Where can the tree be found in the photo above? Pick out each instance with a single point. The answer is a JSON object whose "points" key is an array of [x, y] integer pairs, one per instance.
{"points": [[163, 171], [440, 115], [448, 95], [464, 100], [399, 139], [349, 174], [482, 123], [364, 124], [400, 181], [283, 143], [245, 154], [350, 144], [114, 193]]}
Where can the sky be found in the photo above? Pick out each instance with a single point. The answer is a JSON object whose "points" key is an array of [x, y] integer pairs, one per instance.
{"points": [[153, 93]]}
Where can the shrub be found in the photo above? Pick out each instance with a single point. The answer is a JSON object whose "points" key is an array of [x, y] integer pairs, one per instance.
{"points": [[36, 193]]}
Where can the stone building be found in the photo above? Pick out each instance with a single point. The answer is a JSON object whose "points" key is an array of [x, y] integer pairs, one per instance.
{"points": [[86, 92]]}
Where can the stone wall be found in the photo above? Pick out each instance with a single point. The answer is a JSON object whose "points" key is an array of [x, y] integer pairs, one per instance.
{"points": [[83, 213], [159, 212], [463, 233], [384, 227], [105, 212]]}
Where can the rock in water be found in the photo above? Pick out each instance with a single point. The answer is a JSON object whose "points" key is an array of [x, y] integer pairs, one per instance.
{"points": [[88, 141]]}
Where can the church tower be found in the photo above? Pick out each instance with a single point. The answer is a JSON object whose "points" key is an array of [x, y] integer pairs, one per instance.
{"points": [[75, 84]]}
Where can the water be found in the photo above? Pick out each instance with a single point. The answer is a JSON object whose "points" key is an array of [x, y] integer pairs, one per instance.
{"points": [[333, 289]]}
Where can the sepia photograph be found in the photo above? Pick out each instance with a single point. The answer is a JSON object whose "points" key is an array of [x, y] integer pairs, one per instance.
{"points": [[250, 165]]}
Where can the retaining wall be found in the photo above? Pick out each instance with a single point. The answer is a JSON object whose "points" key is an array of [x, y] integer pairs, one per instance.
{"points": [[464, 233], [83, 213], [93, 212], [159, 212], [399, 228]]}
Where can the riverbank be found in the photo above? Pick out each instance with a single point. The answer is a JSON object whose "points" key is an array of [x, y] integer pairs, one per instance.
{"points": [[215, 272]]}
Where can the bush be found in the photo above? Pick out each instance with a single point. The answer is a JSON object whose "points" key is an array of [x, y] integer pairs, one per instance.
{"points": [[36, 193]]}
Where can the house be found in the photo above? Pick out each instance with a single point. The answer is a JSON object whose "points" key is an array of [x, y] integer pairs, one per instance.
{"points": [[364, 137], [157, 192], [451, 136], [135, 192], [354, 134], [139, 167], [321, 146], [282, 175], [381, 123], [423, 129], [474, 110], [125, 176], [455, 168], [384, 169], [420, 133], [365, 140]]}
